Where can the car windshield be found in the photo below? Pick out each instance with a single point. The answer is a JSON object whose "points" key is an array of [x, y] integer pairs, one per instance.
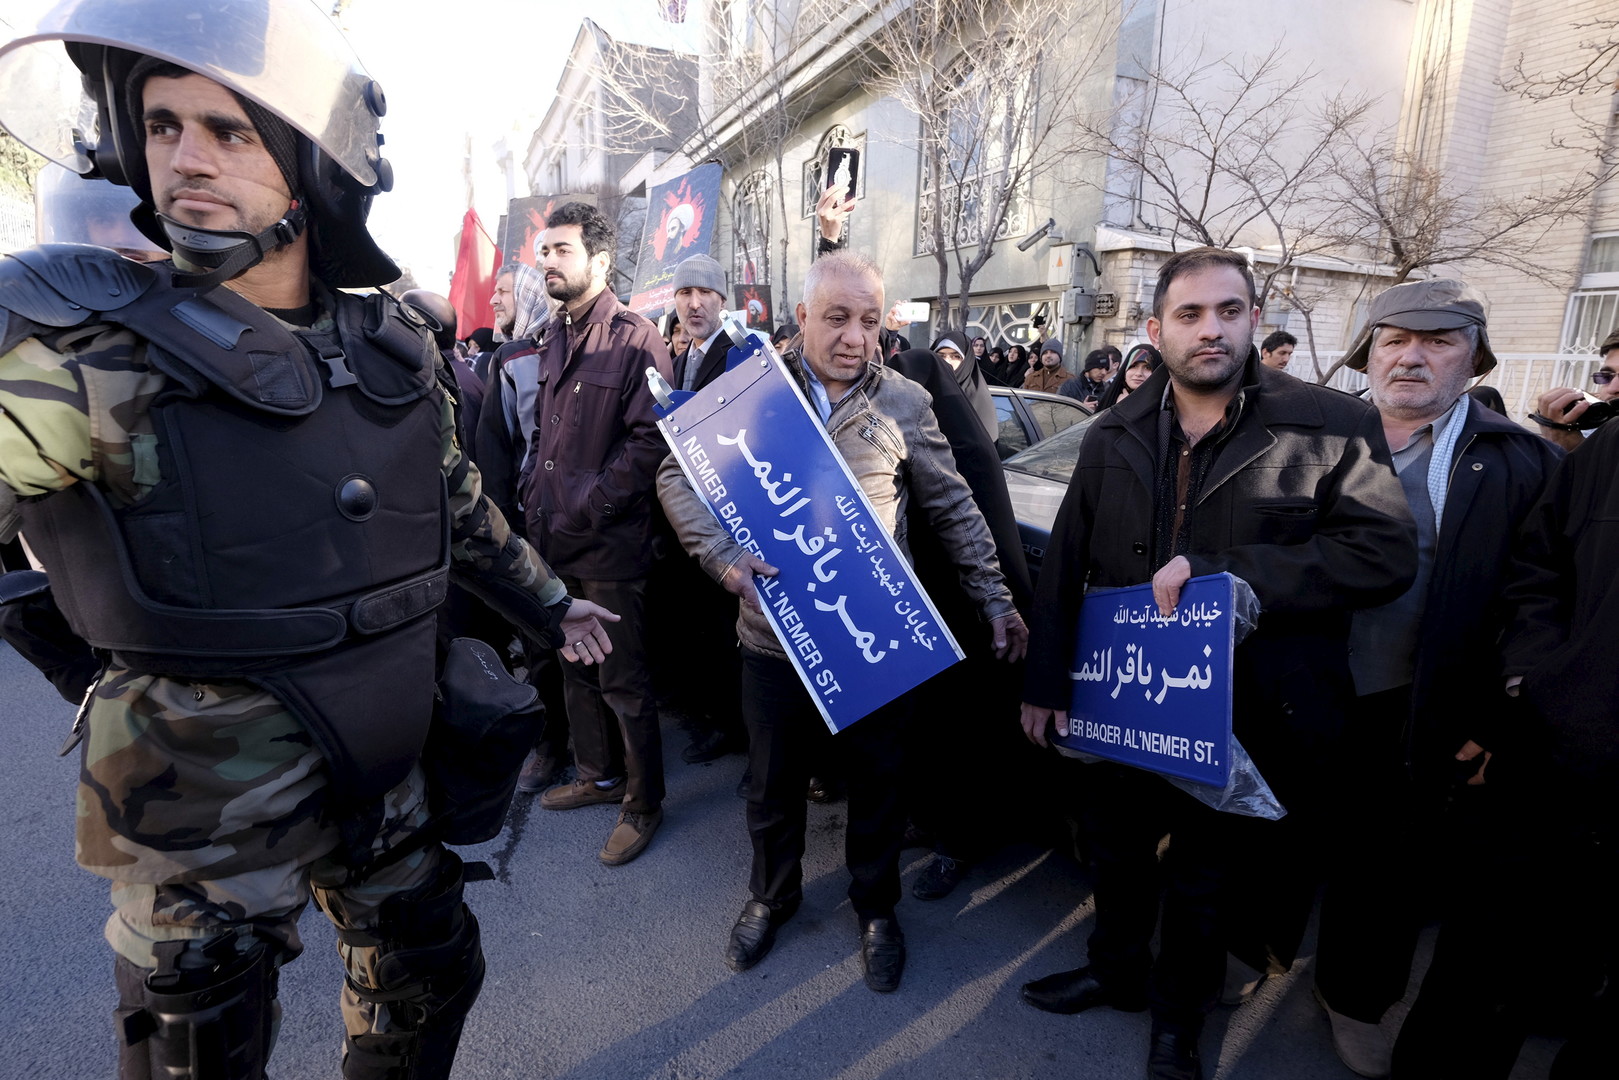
{"points": [[1052, 458]]}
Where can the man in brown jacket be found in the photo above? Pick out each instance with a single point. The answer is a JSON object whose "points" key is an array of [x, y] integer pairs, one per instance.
{"points": [[586, 491], [1048, 373]]}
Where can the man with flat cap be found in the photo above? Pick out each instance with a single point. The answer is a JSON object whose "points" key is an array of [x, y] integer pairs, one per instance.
{"points": [[1425, 665], [680, 591]]}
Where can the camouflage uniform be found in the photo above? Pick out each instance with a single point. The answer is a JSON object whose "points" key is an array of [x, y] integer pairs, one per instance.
{"points": [[205, 802]]}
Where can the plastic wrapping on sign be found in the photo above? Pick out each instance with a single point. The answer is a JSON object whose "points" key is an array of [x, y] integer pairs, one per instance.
{"points": [[1246, 792]]}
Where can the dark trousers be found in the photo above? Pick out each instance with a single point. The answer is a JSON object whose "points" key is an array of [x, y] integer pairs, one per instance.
{"points": [[611, 712], [1530, 943], [964, 726], [545, 675], [784, 734], [1127, 812], [1376, 879], [693, 621], [1403, 850]]}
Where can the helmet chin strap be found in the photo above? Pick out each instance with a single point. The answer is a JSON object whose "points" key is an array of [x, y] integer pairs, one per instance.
{"points": [[224, 253]]}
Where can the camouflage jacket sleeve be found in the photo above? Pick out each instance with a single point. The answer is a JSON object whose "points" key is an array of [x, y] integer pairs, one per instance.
{"points": [[488, 555], [73, 407]]}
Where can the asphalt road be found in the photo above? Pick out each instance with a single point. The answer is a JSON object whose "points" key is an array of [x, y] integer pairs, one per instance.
{"points": [[616, 973]]}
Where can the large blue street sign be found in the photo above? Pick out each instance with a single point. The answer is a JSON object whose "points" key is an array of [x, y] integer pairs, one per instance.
{"points": [[1154, 691], [845, 606]]}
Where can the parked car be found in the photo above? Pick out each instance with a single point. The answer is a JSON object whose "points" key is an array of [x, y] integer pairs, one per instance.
{"points": [[1037, 479], [1028, 416]]}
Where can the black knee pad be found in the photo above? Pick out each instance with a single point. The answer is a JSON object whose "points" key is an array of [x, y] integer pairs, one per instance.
{"points": [[205, 1013], [427, 970]]}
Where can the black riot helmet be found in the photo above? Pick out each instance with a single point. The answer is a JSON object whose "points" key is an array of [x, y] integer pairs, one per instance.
{"points": [[70, 90], [72, 209]]}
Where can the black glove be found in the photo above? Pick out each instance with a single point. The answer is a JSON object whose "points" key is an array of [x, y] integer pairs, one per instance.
{"points": [[31, 623]]}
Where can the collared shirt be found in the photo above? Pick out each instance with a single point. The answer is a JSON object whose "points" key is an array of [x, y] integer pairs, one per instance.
{"points": [[696, 352], [1182, 470], [1383, 641], [817, 392]]}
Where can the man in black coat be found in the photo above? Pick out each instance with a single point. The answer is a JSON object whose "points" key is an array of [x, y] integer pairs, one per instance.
{"points": [[1424, 664], [960, 716], [1557, 763], [1216, 464], [693, 620]]}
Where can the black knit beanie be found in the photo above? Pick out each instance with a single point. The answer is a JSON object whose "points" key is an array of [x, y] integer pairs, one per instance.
{"points": [[278, 136]]}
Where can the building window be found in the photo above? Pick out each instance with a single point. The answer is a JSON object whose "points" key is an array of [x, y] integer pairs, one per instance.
{"points": [[972, 163], [750, 230], [1593, 309], [1604, 257], [815, 167], [1592, 315], [1011, 324]]}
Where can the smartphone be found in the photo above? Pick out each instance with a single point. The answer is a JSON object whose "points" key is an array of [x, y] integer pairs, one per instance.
{"points": [[843, 170], [910, 314]]}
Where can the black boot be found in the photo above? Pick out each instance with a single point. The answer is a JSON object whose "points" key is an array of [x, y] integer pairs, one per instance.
{"points": [[206, 1013], [414, 989]]}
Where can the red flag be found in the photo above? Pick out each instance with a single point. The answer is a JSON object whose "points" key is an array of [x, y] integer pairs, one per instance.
{"points": [[473, 282]]}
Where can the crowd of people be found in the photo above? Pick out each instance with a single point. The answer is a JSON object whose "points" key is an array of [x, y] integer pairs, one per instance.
{"points": [[1424, 688]]}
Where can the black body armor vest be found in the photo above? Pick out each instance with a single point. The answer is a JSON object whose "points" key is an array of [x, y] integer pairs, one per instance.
{"points": [[298, 538]]}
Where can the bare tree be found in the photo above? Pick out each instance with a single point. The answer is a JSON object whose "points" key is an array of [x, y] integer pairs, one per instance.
{"points": [[1231, 153], [734, 103], [1405, 212], [1599, 71], [1397, 208], [996, 86]]}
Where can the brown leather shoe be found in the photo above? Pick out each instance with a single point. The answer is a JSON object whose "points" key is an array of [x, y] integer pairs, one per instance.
{"points": [[579, 793], [630, 836]]}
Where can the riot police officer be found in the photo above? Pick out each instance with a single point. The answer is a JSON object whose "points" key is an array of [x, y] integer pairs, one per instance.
{"points": [[247, 489]]}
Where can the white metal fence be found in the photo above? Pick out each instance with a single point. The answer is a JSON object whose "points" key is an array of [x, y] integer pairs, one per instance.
{"points": [[1521, 377], [16, 222]]}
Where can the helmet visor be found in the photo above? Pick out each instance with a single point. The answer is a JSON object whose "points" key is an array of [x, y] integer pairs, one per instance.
{"points": [[287, 55], [68, 209]]}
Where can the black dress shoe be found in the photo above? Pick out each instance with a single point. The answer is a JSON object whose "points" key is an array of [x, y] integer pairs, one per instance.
{"points": [[753, 934], [882, 952], [1078, 990], [1174, 1056], [710, 747], [939, 878]]}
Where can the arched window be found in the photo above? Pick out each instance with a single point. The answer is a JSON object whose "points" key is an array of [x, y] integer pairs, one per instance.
{"points": [[750, 230]]}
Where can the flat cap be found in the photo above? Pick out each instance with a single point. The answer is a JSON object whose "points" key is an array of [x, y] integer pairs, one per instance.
{"points": [[1440, 304]]}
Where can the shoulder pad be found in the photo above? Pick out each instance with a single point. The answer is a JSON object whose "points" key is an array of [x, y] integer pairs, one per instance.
{"points": [[62, 284], [399, 335]]}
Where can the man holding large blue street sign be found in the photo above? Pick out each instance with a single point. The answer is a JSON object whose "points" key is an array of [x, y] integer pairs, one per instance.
{"points": [[1216, 465], [817, 461]]}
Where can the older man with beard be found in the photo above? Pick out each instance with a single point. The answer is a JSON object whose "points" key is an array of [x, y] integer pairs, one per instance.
{"points": [[1217, 464], [687, 613]]}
